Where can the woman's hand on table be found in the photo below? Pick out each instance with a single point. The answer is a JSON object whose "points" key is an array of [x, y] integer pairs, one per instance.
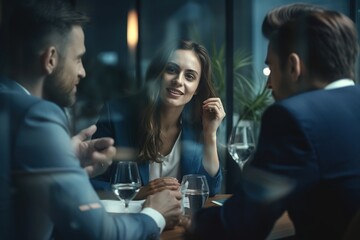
{"points": [[158, 185], [185, 222], [168, 203]]}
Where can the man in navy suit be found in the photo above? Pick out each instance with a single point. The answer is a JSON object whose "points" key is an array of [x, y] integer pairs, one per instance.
{"points": [[50, 193], [308, 155]]}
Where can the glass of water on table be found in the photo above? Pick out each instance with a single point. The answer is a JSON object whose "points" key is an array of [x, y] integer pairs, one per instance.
{"points": [[126, 182], [195, 191], [242, 142]]}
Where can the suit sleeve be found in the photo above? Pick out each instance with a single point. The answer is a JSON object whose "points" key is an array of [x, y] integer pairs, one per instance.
{"points": [[54, 186], [286, 148], [192, 156], [213, 182], [284, 158]]}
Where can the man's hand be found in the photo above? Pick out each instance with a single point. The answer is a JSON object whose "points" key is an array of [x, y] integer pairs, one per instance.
{"points": [[158, 185], [168, 204], [95, 155]]}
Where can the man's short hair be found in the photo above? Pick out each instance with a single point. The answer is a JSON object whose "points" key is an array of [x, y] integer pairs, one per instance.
{"points": [[326, 41], [35, 24], [275, 18]]}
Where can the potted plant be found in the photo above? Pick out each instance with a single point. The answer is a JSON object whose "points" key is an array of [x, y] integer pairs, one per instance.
{"points": [[251, 97]]}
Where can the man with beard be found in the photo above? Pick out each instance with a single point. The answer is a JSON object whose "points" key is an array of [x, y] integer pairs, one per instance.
{"points": [[50, 194], [59, 83]]}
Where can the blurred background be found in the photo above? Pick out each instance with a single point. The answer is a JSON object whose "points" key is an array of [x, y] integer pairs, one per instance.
{"points": [[123, 35]]}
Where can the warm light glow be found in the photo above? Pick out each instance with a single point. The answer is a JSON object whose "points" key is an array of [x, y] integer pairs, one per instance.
{"points": [[266, 71], [108, 58], [132, 30]]}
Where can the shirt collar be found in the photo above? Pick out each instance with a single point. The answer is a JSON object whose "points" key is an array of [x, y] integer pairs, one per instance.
{"points": [[345, 82], [25, 90]]}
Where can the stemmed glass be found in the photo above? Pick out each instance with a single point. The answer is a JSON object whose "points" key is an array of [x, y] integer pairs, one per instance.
{"points": [[241, 144], [126, 181]]}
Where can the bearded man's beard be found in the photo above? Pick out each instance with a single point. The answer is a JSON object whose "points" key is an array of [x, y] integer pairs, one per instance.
{"points": [[55, 90]]}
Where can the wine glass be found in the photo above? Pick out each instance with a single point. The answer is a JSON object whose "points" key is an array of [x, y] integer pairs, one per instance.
{"points": [[241, 144], [195, 191], [126, 182]]}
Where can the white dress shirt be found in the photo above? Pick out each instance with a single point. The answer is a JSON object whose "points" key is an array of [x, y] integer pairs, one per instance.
{"points": [[21, 86], [156, 216], [170, 164], [345, 82]]}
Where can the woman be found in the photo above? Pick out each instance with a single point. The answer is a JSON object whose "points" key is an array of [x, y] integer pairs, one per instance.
{"points": [[171, 123]]}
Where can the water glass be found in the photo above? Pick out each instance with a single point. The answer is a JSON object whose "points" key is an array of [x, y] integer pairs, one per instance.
{"points": [[126, 181], [241, 144], [195, 191]]}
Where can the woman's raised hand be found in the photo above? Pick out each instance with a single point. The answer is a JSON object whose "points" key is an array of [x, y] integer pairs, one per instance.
{"points": [[213, 114]]}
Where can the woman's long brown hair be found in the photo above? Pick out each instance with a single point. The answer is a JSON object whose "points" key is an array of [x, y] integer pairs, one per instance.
{"points": [[149, 130]]}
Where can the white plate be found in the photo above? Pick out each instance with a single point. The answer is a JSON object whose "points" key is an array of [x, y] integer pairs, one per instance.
{"points": [[117, 206]]}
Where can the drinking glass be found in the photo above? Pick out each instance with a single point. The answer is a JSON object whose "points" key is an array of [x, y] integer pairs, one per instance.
{"points": [[195, 191], [126, 182], [241, 144]]}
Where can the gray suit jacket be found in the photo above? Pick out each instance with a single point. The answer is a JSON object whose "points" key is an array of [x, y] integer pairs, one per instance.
{"points": [[51, 193]]}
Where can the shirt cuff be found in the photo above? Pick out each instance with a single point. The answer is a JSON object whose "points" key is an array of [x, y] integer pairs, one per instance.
{"points": [[158, 217]]}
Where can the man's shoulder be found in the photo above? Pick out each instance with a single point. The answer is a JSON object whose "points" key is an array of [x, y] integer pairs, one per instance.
{"points": [[12, 94], [15, 101], [22, 100], [322, 93], [320, 98], [312, 104], [19, 105], [7, 84]]}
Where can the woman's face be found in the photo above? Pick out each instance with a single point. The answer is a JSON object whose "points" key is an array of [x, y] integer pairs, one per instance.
{"points": [[180, 79]]}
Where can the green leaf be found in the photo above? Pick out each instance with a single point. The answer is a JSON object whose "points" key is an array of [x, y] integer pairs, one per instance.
{"points": [[251, 97]]}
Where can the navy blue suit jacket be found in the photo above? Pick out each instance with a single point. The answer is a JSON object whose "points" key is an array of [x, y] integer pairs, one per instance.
{"points": [[312, 140], [120, 119], [51, 193]]}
